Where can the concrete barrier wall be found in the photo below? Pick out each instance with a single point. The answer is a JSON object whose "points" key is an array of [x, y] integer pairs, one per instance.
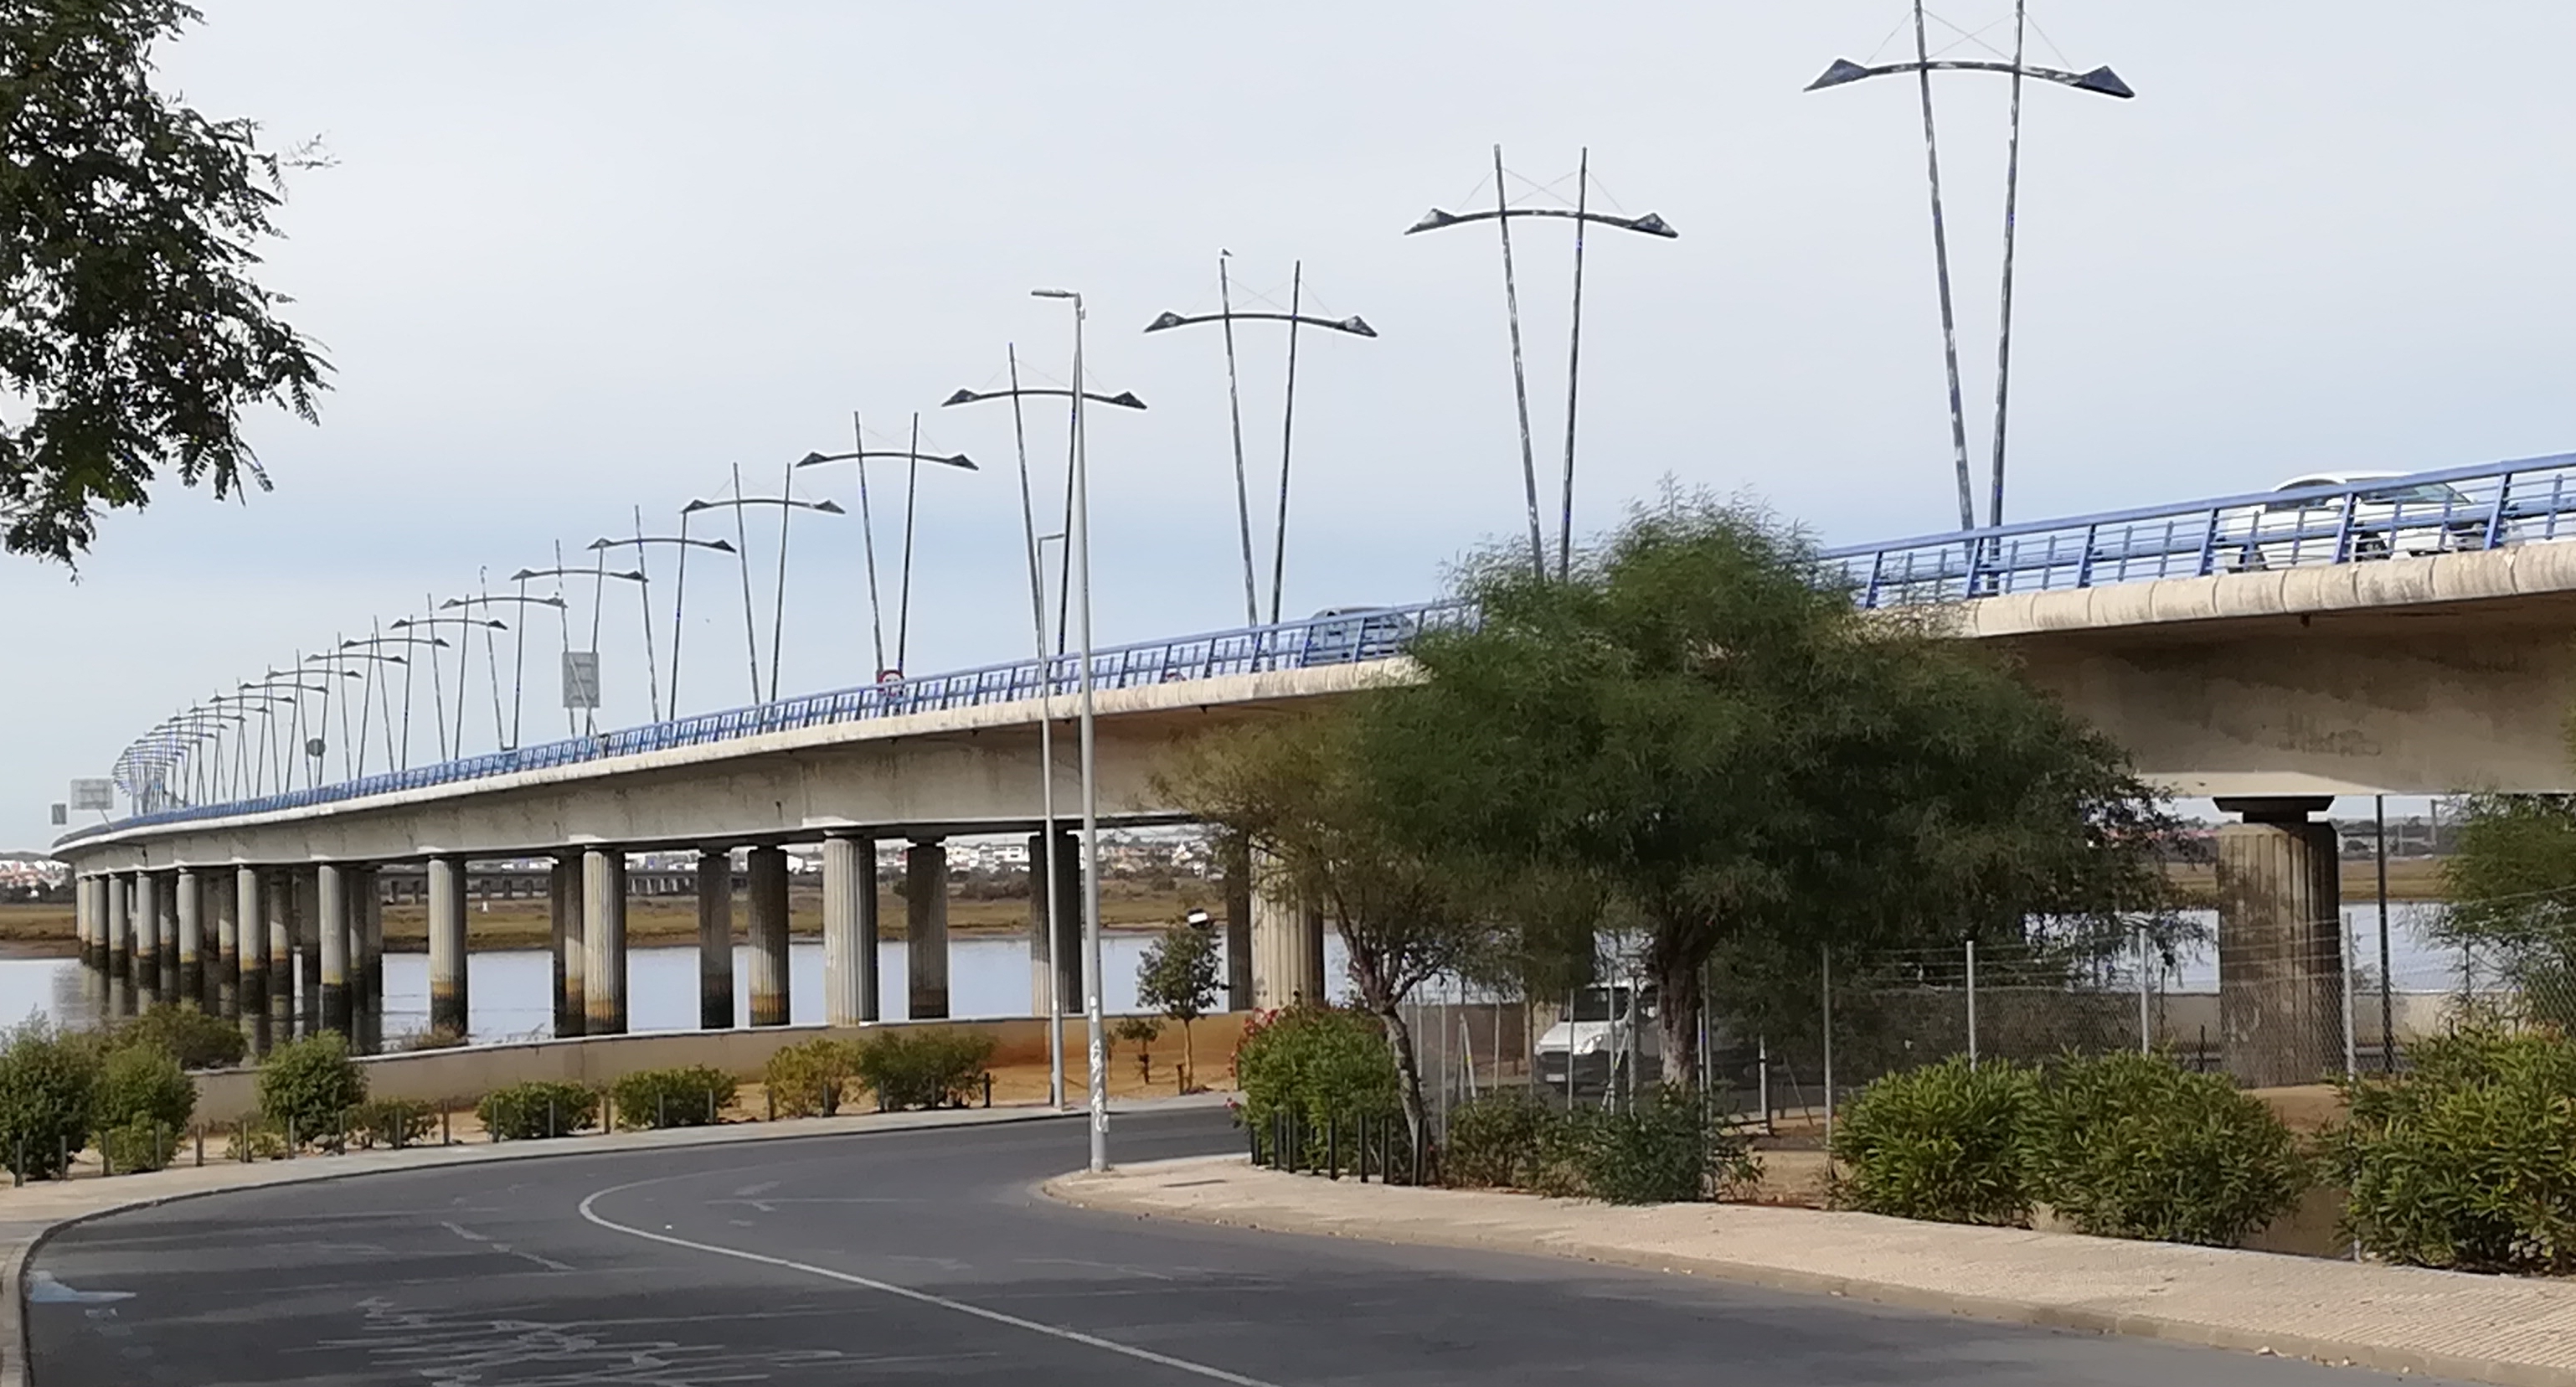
{"points": [[468, 1072]]}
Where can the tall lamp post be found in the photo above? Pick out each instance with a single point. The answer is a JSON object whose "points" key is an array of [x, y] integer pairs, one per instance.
{"points": [[1502, 214], [679, 594], [518, 675], [1295, 318], [912, 457], [438, 704], [376, 641], [599, 574], [2101, 81], [787, 505]]}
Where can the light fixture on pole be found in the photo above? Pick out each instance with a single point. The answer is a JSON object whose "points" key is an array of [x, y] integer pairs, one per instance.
{"points": [[1502, 214], [640, 542], [349, 650], [2101, 81], [438, 700], [491, 665], [579, 692], [435, 644], [1295, 318], [787, 505], [912, 457]]}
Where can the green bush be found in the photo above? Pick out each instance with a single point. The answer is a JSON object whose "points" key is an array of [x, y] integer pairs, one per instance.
{"points": [[1494, 1140], [925, 1069], [391, 1122], [2468, 1162], [134, 1147], [2136, 1146], [48, 1094], [143, 1084], [1660, 1149], [1943, 1142], [692, 1097], [1318, 1062], [807, 1079], [193, 1038], [527, 1112], [311, 1083], [255, 1139]]}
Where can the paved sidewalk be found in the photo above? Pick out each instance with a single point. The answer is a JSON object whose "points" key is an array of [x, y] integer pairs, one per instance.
{"points": [[2521, 1333], [31, 1213]]}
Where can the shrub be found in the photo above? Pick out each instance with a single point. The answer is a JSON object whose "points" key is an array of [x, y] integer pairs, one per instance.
{"points": [[255, 1139], [526, 1112], [1141, 1031], [48, 1093], [1943, 1142], [2469, 1162], [925, 1069], [807, 1079], [144, 1085], [193, 1038], [2136, 1146], [1662, 1149], [391, 1122], [310, 1083], [435, 1038], [134, 1147], [1318, 1062], [1494, 1140], [691, 1097]]}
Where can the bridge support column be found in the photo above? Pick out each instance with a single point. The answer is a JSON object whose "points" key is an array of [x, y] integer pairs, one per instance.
{"points": [[250, 946], [147, 933], [331, 926], [226, 900], [2280, 954], [715, 939], [367, 959], [308, 948], [1055, 929], [563, 905], [447, 996], [1235, 860], [925, 930], [851, 987], [765, 879], [170, 937], [1287, 950], [82, 916], [279, 884], [120, 925], [603, 937], [189, 903]]}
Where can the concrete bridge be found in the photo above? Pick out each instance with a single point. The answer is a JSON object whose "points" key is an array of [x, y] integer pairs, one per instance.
{"points": [[2273, 681]]}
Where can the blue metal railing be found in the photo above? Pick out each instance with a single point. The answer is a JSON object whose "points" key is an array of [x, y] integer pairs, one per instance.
{"points": [[2459, 509], [1336, 639]]}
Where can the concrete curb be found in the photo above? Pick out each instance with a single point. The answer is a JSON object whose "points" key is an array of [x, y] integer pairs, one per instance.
{"points": [[124, 1194], [1101, 1194]]}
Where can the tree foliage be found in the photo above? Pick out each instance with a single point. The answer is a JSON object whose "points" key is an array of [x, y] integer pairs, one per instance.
{"points": [[1178, 977], [2512, 886], [132, 333], [1700, 734]]}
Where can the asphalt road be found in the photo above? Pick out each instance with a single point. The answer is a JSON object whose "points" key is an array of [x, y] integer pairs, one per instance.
{"points": [[928, 1257]]}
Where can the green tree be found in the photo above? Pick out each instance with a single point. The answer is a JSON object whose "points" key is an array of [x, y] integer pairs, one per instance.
{"points": [[2512, 886], [1177, 977], [1301, 796], [132, 333], [1699, 734]]}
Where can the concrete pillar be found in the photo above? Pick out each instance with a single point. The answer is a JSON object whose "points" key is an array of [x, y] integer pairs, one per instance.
{"points": [[925, 930], [1235, 861], [564, 891], [170, 936], [850, 982], [120, 925], [81, 918], [1055, 932], [367, 957], [226, 900], [447, 999], [250, 944], [1287, 950], [715, 940], [603, 934], [189, 903], [766, 881], [2280, 956], [308, 948], [147, 933], [280, 886], [331, 923]]}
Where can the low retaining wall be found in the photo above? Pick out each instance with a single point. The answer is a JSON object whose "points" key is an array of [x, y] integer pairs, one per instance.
{"points": [[470, 1071]]}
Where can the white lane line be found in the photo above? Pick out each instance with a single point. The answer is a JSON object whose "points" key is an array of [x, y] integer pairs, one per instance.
{"points": [[908, 1293], [469, 1237], [548, 1263]]}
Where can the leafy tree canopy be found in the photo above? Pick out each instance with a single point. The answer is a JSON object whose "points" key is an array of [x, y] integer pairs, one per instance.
{"points": [[132, 334]]}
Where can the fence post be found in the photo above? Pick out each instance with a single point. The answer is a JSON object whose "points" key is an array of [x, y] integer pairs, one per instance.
{"points": [[18, 1172], [662, 1110], [1825, 971], [2146, 1015], [1333, 1145], [63, 1149], [1762, 1082], [2344, 946], [201, 1148], [1972, 1004], [446, 1136], [290, 1138]]}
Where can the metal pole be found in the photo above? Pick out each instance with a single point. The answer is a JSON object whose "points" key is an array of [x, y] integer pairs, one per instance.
{"points": [[1044, 869], [1520, 378], [1941, 269], [1972, 1004], [1080, 545], [911, 499], [1573, 367], [679, 597], [519, 660], [750, 623], [1287, 433], [437, 683], [2003, 334], [2146, 1013], [1825, 972], [868, 541], [778, 600], [2344, 946], [563, 636], [1234, 407], [491, 656], [2387, 995], [644, 601], [598, 599]]}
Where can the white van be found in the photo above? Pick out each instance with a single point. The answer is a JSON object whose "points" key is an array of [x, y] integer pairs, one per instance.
{"points": [[1611, 1031]]}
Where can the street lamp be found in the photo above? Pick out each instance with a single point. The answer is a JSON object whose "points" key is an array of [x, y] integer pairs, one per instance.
{"points": [[380, 639], [491, 661], [599, 573], [2101, 81], [294, 678], [438, 699], [1080, 560], [1354, 325], [1582, 215], [366, 696], [788, 504], [644, 599], [913, 457]]}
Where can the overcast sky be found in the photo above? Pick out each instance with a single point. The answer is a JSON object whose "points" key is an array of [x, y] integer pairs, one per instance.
{"points": [[577, 258]]}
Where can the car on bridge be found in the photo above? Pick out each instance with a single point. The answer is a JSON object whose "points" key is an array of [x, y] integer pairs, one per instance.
{"points": [[2324, 518]]}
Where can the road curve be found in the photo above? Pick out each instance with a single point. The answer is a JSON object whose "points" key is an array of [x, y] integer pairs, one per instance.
{"points": [[926, 1256]]}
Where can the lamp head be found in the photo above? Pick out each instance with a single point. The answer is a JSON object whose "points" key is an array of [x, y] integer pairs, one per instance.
{"points": [[1841, 71]]}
